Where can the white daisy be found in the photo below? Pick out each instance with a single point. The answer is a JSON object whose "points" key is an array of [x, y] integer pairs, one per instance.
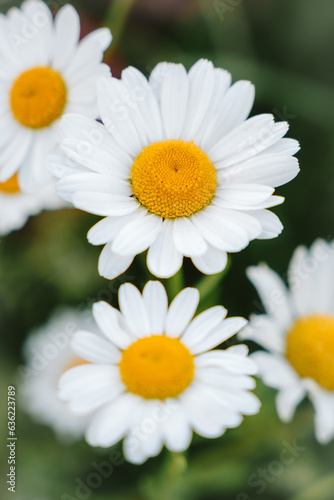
{"points": [[48, 355], [16, 207], [176, 168], [44, 72], [151, 379], [298, 332]]}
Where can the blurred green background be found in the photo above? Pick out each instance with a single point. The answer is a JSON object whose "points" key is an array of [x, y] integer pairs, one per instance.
{"points": [[286, 48]]}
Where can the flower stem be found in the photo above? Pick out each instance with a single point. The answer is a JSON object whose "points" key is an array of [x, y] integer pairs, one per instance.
{"points": [[175, 284], [168, 484], [207, 284], [115, 19]]}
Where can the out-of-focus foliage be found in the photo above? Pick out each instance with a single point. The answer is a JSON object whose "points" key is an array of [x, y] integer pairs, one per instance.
{"points": [[286, 48]]}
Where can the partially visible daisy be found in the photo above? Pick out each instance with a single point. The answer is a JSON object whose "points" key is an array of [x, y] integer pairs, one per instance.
{"points": [[151, 378], [176, 168], [44, 72], [298, 333], [16, 207], [48, 355]]}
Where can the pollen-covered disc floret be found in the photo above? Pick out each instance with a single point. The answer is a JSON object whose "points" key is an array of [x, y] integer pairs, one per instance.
{"points": [[176, 168], [11, 186], [157, 367], [310, 348], [38, 97], [46, 72], [156, 364], [173, 178], [298, 332]]}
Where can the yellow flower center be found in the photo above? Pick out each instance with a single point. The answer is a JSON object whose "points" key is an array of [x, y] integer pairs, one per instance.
{"points": [[173, 178], [157, 367], [38, 97], [310, 349], [11, 186]]}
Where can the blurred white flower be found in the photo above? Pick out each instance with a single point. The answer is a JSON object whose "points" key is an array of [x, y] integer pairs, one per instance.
{"points": [[151, 378], [44, 72], [298, 333], [16, 207], [48, 355], [176, 168]]}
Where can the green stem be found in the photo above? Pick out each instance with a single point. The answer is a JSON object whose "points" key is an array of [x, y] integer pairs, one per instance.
{"points": [[169, 483], [115, 19], [208, 283], [175, 284]]}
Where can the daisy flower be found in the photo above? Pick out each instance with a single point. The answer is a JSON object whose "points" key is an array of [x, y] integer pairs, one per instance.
{"points": [[48, 355], [44, 72], [176, 168], [298, 333], [151, 378], [16, 207]]}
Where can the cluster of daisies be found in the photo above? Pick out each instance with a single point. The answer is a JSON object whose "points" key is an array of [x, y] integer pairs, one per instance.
{"points": [[176, 169]]}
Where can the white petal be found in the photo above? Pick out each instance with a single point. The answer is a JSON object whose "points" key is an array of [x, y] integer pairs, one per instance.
{"points": [[201, 76], [221, 232], [67, 31], [265, 331], [79, 380], [102, 36], [144, 439], [104, 203], [115, 106], [270, 170], [272, 292], [112, 422], [97, 183], [247, 221], [181, 312], [174, 98], [242, 196], [212, 262], [107, 318], [94, 349], [284, 146], [106, 229], [323, 402], [210, 124], [247, 140], [137, 235], [310, 278], [176, 430], [202, 325], [275, 370], [89, 143], [145, 102], [270, 224], [288, 399], [202, 414], [156, 302], [219, 334], [187, 238], [112, 265], [163, 260], [33, 172], [134, 310], [230, 359], [12, 155], [243, 401], [93, 399], [235, 107]]}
